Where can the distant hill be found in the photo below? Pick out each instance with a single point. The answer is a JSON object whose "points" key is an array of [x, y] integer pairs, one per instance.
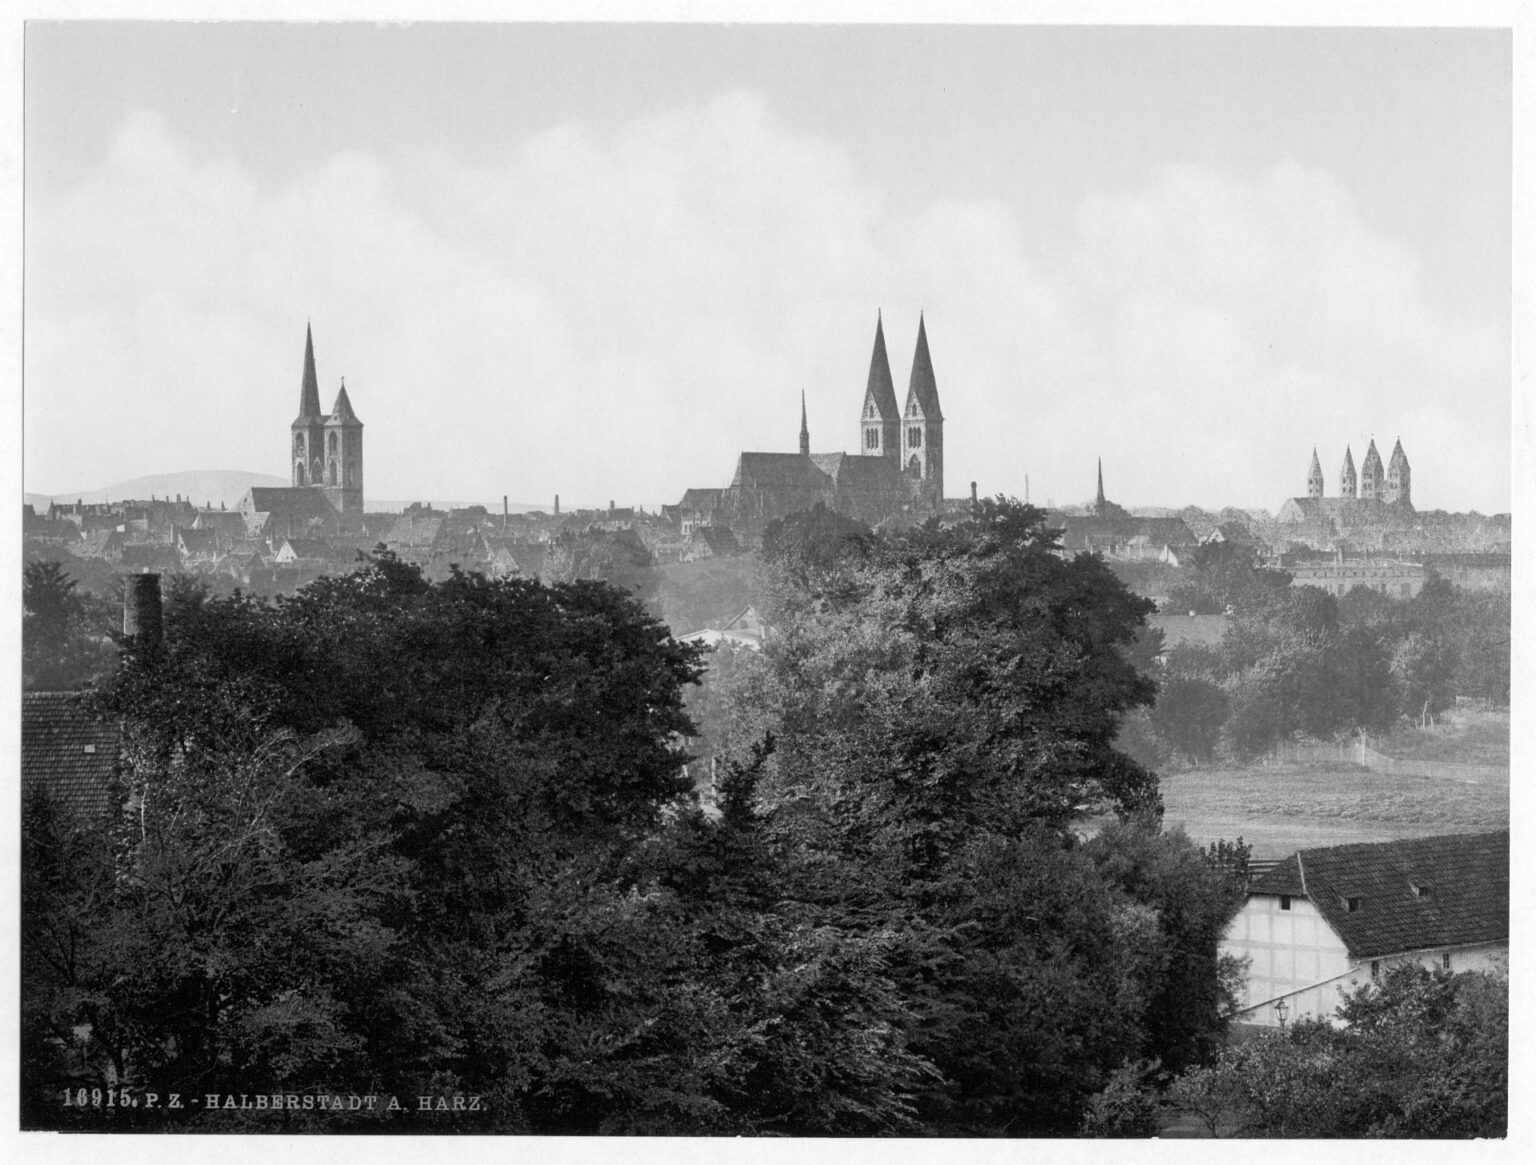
{"points": [[212, 486], [201, 486]]}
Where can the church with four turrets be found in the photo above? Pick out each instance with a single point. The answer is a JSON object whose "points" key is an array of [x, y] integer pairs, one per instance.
{"points": [[1377, 496]]}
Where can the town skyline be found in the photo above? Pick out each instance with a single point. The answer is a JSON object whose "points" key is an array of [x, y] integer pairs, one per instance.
{"points": [[611, 293]]}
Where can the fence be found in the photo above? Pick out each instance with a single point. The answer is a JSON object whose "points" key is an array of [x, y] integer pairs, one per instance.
{"points": [[1360, 751]]}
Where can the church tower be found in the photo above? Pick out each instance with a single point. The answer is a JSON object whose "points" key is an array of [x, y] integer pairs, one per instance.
{"points": [[805, 431], [1347, 475], [308, 428], [1372, 479], [1315, 477], [1399, 478], [344, 459], [880, 418], [922, 428]]}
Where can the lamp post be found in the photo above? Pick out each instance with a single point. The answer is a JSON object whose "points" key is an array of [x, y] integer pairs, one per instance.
{"points": [[1281, 1009]]}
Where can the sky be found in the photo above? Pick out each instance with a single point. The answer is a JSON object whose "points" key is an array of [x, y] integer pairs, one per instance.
{"points": [[600, 260]]}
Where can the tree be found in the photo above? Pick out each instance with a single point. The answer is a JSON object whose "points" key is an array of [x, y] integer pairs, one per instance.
{"points": [[1423, 1054], [62, 646], [1189, 714]]}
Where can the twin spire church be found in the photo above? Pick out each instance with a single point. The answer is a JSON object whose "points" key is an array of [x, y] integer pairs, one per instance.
{"points": [[898, 471], [326, 495]]}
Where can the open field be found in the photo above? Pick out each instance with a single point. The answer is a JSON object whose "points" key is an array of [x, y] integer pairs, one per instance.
{"points": [[1281, 808], [1448, 778]]}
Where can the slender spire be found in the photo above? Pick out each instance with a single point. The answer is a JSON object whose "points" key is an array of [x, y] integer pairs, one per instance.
{"points": [[805, 432], [923, 385], [309, 393], [881, 388], [1098, 498]]}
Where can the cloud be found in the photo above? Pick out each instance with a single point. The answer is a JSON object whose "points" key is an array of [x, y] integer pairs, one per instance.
{"points": [[615, 316]]}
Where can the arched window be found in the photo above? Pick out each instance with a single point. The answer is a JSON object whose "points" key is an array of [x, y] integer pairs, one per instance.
{"points": [[330, 444], [914, 467], [315, 472], [915, 437], [332, 471], [298, 473]]}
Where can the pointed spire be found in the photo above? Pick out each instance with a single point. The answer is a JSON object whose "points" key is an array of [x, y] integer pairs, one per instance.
{"points": [[880, 387], [805, 432], [1098, 498], [923, 385], [309, 392], [343, 408]]}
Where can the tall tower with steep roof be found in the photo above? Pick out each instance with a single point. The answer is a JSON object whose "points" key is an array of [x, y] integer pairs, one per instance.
{"points": [[880, 416], [922, 427], [1347, 484], [1372, 476], [1399, 478], [344, 459], [308, 428], [1315, 477], [805, 430]]}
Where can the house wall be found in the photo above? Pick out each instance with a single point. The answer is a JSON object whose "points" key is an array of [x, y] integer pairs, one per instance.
{"points": [[1292, 953], [1296, 956]]}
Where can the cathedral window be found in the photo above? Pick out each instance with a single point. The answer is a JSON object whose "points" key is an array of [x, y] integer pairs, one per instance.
{"points": [[915, 437], [914, 467], [871, 439], [330, 444]]}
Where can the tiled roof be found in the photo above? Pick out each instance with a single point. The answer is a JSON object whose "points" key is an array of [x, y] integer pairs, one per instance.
{"points": [[414, 532], [1412, 894], [301, 502], [67, 751], [779, 471]]}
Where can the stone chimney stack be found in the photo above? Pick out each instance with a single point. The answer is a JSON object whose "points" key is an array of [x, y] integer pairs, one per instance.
{"points": [[973, 493], [141, 609]]}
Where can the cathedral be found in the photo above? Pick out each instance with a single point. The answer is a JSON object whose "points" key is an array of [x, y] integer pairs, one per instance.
{"points": [[899, 469], [326, 494], [1376, 497]]}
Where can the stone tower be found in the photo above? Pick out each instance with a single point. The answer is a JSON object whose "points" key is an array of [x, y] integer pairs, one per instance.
{"points": [[1315, 477], [880, 418], [805, 431], [309, 427], [1347, 475], [1399, 478], [922, 428], [344, 459], [1372, 478]]}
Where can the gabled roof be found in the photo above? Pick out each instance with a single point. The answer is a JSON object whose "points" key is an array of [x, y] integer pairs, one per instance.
{"points": [[857, 471], [303, 502], [880, 387], [923, 386], [414, 532], [1464, 879], [778, 471], [702, 500], [193, 541], [68, 751]]}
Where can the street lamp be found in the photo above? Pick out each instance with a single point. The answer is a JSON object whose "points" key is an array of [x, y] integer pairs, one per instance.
{"points": [[1281, 1009]]}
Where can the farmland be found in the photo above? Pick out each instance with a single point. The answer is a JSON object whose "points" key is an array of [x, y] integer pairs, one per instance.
{"points": [[1451, 778]]}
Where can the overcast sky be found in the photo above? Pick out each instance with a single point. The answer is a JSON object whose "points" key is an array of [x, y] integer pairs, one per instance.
{"points": [[601, 260]]}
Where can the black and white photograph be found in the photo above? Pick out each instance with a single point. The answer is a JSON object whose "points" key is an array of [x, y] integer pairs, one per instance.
{"points": [[693, 572]]}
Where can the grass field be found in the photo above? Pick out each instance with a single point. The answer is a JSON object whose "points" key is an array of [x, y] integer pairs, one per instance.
{"points": [[1284, 807]]}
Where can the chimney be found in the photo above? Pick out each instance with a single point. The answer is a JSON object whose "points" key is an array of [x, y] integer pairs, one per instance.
{"points": [[141, 608], [973, 494], [557, 504], [610, 505]]}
